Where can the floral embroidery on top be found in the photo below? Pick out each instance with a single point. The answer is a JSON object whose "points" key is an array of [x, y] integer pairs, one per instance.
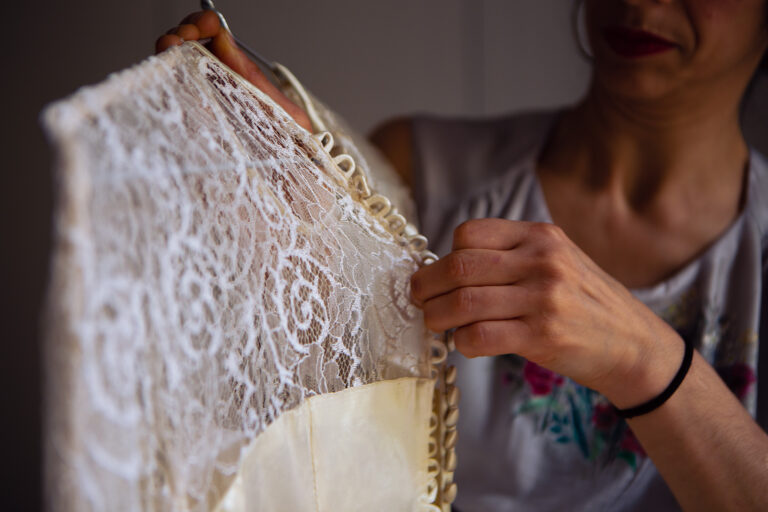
{"points": [[571, 413], [540, 379], [718, 339]]}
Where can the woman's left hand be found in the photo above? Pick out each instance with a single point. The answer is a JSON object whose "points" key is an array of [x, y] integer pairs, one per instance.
{"points": [[525, 288]]}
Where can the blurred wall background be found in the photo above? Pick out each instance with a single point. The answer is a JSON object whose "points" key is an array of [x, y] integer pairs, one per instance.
{"points": [[368, 59]]}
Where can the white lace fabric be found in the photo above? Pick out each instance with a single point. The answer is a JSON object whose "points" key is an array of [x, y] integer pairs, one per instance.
{"points": [[210, 273]]}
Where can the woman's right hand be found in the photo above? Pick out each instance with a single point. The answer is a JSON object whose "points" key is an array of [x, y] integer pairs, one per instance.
{"points": [[205, 25]]}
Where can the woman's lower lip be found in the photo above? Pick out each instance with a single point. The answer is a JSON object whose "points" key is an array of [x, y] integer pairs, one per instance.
{"points": [[632, 44]]}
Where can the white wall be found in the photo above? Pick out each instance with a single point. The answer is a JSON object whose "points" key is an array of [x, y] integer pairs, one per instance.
{"points": [[371, 60]]}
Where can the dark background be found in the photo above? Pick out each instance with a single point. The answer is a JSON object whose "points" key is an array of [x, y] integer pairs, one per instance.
{"points": [[368, 59]]}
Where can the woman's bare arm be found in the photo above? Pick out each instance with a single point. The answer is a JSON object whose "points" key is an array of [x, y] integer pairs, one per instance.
{"points": [[709, 450]]}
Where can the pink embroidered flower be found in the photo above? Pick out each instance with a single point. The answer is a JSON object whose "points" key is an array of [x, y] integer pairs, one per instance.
{"points": [[630, 443], [604, 417], [738, 377], [540, 380]]}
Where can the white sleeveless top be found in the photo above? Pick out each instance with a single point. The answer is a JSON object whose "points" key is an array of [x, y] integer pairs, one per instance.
{"points": [[534, 440]]}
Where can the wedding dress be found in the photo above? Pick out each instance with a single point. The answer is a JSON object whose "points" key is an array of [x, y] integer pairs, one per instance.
{"points": [[229, 318]]}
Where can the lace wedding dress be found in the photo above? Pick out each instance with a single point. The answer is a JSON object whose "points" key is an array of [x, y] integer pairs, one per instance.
{"points": [[229, 318]]}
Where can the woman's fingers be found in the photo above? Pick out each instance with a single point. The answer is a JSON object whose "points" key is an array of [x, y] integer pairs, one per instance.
{"points": [[524, 288], [196, 26], [188, 32], [177, 35], [498, 234], [468, 267], [166, 41], [206, 22], [469, 305], [493, 338], [503, 234]]}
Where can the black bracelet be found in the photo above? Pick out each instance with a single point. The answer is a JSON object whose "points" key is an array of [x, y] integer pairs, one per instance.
{"points": [[656, 402]]}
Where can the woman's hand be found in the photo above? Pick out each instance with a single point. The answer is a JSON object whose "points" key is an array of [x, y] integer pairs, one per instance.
{"points": [[205, 25], [525, 288]]}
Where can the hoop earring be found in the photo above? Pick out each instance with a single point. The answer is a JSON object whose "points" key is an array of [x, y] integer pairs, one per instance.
{"points": [[578, 25]]}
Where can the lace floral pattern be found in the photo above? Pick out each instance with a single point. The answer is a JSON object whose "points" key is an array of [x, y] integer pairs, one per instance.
{"points": [[209, 275]]}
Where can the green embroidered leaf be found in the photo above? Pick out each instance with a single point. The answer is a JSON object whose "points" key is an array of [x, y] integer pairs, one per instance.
{"points": [[535, 404], [598, 443], [629, 457], [578, 429]]}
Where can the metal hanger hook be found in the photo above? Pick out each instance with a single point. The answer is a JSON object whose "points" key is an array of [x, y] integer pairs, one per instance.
{"points": [[208, 5]]}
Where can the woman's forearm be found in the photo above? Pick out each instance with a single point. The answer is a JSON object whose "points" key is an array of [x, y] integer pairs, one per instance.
{"points": [[707, 447]]}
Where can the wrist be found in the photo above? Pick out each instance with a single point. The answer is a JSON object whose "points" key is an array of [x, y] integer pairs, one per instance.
{"points": [[650, 365], [659, 400]]}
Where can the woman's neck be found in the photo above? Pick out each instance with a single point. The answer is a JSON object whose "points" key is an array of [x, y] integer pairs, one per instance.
{"points": [[650, 156], [643, 191]]}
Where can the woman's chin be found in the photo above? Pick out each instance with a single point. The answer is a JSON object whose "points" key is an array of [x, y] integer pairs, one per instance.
{"points": [[635, 86]]}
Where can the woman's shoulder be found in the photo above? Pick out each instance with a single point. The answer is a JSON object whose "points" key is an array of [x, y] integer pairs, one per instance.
{"points": [[419, 143], [458, 158], [463, 141]]}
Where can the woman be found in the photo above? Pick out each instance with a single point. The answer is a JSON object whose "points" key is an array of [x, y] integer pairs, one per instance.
{"points": [[645, 185]]}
